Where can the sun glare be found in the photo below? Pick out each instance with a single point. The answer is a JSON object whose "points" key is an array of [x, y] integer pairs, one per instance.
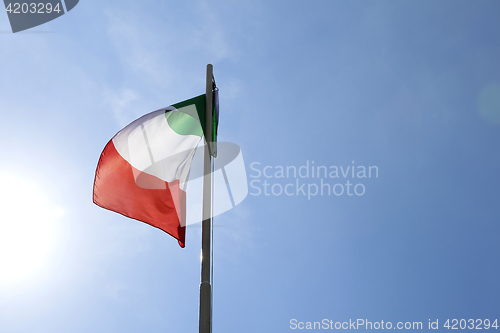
{"points": [[27, 230]]}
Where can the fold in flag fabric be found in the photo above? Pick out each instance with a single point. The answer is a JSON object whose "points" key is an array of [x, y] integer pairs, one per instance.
{"points": [[143, 170]]}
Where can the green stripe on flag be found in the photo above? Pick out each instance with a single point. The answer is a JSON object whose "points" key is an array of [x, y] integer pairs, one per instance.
{"points": [[183, 124], [199, 103]]}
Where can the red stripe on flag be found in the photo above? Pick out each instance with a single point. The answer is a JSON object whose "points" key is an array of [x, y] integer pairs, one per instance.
{"points": [[115, 188]]}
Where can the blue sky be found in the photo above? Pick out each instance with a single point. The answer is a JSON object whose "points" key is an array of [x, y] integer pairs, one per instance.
{"points": [[410, 87]]}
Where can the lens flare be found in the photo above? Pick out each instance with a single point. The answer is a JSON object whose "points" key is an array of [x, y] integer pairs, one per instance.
{"points": [[27, 229]]}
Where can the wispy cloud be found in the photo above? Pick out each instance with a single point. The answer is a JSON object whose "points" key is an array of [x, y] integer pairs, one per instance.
{"points": [[122, 104], [162, 58]]}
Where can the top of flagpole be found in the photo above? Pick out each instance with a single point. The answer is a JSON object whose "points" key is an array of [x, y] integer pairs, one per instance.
{"points": [[208, 108]]}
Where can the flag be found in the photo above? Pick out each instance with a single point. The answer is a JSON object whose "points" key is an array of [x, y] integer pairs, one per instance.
{"points": [[143, 170]]}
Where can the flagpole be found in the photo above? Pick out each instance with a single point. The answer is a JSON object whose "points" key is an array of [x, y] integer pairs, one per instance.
{"points": [[205, 286]]}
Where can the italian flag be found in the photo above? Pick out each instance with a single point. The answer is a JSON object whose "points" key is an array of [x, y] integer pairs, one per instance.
{"points": [[143, 170]]}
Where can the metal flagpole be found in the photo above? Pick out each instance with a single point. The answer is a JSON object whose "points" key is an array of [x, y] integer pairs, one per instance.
{"points": [[205, 286]]}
